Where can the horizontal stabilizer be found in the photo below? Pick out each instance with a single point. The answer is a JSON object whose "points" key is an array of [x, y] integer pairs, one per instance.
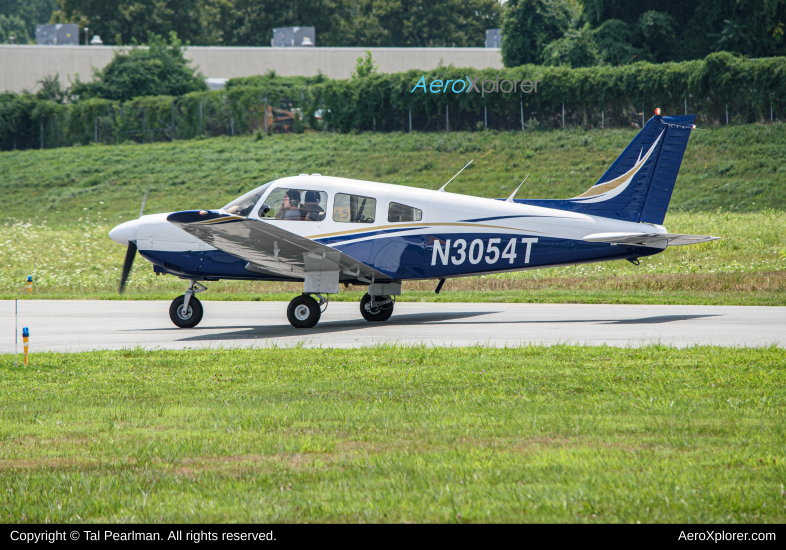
{"points": [[648, 239]]}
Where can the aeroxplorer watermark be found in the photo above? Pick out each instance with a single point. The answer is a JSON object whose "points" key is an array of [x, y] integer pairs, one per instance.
{"points": [[482, 87]]}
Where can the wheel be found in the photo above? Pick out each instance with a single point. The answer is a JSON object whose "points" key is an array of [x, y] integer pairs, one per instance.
{"points": [[381, 312], [303, 312], [189, 318]]}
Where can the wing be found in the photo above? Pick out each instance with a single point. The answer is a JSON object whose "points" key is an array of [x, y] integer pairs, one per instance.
{"points": [[269, 249], [648, 239]]}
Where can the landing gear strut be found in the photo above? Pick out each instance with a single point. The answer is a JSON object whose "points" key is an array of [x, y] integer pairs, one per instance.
{"points": [[376, 308], [186, 311], [304, 311]]}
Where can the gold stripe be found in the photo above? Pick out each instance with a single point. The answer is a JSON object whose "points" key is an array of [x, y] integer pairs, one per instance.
{"points": [[382, 227], [610, 185], [229, 218]]}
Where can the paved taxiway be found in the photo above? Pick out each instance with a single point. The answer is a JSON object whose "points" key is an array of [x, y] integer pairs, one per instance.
{"points": [[89, 325]]}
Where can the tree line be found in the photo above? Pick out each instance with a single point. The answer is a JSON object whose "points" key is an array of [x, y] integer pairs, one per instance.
{"points": [[573, 33]]}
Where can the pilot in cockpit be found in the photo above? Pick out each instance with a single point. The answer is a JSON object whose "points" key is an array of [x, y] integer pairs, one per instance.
{"points": [[290, 206]]}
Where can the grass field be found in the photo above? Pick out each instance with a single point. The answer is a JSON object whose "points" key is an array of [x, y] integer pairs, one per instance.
{"points": [[740, 168], [748, 266], [61, 203], [532, 434]]}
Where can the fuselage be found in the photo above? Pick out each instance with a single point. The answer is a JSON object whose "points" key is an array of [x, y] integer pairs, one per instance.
{"points": [[439, 235]]}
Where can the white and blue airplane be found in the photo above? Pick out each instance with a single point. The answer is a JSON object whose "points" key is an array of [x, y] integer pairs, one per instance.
{"points": [[325, 231]]}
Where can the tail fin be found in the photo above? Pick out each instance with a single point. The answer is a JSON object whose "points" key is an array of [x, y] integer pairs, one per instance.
{"points": [[638, 185]]}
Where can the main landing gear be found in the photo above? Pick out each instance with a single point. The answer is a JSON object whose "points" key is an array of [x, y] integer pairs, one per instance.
{"points": [[186, 311], [304, 311], [376, 308]]}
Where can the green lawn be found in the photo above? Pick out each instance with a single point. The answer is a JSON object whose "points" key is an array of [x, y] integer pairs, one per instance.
{"points": [[531, 434], [742, 168], [61, 203], [747, 267]]}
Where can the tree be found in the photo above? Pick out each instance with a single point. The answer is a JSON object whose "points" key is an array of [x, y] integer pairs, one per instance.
{"points": [[674, 30], [159, 69], [528, 26], [51, 90], [422, 23], [364, 67], [29, 12], [130, 21], [577, 48], [13, 26]]}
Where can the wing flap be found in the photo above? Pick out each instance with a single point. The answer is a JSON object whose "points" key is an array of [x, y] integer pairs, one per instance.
{"points": [[268, 248]]}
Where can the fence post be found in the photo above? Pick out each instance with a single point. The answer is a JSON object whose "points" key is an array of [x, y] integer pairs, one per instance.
{"points": [[265, 114], [603, 119], [144, 125], [95, 129], [563, 116], [727, 114], [522, 116], [173, 120], [374, 122], [42, 139], [642, 116], [200, 118], [485, 117], [410, 119], [447, 120], [686, 105], [42, 127]]}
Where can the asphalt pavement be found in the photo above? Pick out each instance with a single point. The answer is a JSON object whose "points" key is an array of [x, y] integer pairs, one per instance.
{"points": [[82, 325]]}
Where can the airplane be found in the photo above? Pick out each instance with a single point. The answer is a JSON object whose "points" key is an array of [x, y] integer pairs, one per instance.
{"points": [[325, 231]]}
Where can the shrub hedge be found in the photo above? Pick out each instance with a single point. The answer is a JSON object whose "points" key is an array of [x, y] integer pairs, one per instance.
{"points": [[719, 86]]}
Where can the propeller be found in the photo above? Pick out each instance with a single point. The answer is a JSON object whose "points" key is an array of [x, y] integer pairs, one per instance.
{"points": [[131, 250], [129, 261]]}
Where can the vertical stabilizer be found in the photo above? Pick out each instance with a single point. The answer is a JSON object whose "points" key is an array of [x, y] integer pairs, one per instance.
{"points": [[637, 187]]}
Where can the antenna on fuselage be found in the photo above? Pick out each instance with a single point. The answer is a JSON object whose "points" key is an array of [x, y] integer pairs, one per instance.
{"points": [[513, 194], [442, 189], [144, 199]]}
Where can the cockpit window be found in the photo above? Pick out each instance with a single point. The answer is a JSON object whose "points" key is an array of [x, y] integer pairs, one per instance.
{"points": [[304, 205], [403, 213], [354, 209], [244, 205]]}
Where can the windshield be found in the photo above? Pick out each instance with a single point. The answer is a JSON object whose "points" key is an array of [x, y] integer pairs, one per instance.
{"points": [[245, 204]]}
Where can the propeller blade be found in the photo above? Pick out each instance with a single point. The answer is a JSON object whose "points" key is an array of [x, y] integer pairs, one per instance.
{"points": [[129, 261]]}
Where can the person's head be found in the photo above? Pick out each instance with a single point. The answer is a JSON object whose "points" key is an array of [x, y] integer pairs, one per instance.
{"points": [[312, 197], [292, 197]]}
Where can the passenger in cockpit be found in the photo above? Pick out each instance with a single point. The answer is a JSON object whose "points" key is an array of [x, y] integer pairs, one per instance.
{"points": [[311, 209]]}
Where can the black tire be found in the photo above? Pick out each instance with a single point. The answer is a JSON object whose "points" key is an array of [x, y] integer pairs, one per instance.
{"points": [[188, 319], [303, 312], [379, 313]]}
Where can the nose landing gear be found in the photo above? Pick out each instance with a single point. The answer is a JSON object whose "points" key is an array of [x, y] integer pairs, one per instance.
{"points": [[186, 311]]}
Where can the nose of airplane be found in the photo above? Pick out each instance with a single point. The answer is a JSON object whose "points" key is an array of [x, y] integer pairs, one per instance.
{"points": [[124, 232]]}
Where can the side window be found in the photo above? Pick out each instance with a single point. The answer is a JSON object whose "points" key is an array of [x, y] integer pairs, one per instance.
{"points": [[402, 213], [354, 209], [297, 204]]}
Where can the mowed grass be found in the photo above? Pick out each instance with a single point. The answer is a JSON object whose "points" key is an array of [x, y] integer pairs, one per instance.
{"points": [[404, 434], [746, 267], [61, 203], [740, 168]]}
